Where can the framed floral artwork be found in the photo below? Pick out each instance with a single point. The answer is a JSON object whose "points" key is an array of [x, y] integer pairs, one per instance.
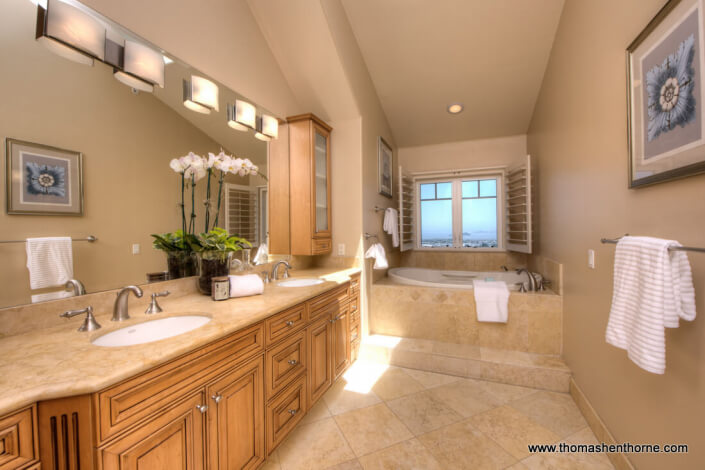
{"points": [[666, 96], [385, 162], [43, 180]]}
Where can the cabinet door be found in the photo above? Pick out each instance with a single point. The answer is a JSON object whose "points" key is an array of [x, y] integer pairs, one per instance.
{"points": [[320, 347], [236, 418], [321, 186], [341, 341], [174, 440]]}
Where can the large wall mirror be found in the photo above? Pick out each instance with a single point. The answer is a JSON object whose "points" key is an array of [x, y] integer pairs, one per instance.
{"points": [[127, 136]]}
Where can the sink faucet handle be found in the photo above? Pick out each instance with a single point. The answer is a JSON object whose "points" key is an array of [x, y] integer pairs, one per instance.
{"points": [[154, 306], [89, 324]]}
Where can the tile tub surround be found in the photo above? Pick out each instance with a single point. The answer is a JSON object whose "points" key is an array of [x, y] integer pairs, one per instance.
{"points": [[384, 417], [462, 261], [449, 316], [52, 361]]}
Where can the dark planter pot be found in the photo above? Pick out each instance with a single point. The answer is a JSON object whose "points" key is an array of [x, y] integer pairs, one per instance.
{"points": [[212, 264], [181, 264]]}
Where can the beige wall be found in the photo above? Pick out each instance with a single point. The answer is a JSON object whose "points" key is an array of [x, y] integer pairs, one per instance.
{"points": [[464, 154], [127, 141], [578, 137]]}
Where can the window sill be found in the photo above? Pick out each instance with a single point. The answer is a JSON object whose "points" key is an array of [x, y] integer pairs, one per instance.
{"points": [[463, 250]]}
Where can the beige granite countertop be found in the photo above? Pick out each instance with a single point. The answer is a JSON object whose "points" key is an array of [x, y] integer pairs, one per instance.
{"points": [[60, 362]]}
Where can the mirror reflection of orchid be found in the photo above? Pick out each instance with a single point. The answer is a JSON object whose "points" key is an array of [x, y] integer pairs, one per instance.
{"points": [[194, 168], [669, 88]]}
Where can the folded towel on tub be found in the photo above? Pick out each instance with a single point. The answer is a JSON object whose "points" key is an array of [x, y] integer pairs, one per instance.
{"points": [[491, 300]]}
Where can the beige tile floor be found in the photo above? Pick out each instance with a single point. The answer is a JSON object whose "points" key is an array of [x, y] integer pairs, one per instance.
{"points": [[384, 417]]}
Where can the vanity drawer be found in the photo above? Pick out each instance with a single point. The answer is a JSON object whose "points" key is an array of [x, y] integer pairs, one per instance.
{"points": [[135, 399], [284, 362], [281, 324], [18, 442], [329, 302], [320, 246], [285, 411], [355, 305], [355, 284], [354, 350], [355, 331]]}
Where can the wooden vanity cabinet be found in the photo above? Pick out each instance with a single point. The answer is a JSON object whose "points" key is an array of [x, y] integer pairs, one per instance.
{"points": [[320, 374], [309, 185], [341, 341], [18, 439]]}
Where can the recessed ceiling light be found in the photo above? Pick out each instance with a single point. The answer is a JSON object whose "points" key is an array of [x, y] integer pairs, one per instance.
{"points": [[455, 108]]}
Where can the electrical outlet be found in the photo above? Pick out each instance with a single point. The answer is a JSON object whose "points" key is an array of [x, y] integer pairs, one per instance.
{"points": [[135, 248], [591, 259], [341, 249]]}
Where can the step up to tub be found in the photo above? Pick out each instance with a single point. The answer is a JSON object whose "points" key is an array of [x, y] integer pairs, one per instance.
{"points": [[464, 360]]}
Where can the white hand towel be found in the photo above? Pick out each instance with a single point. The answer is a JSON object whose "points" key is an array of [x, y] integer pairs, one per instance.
{"points": [[61, 294], [377, 252], [243, 286], [50, 261], [653, 289], [391, 225], [262, 255], [491, 300]]}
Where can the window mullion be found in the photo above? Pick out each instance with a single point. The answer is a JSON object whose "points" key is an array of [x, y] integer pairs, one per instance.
{"points": [[457, 214]]}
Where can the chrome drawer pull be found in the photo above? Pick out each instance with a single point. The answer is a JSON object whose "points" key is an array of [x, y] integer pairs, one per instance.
{"points": [[293, 362], [217, 397], [202, 408], [290, 323], [292, 412]]}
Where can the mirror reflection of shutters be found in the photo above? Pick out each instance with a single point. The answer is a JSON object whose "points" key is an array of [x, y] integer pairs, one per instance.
{"points": [[241, 212], [519, 208]]}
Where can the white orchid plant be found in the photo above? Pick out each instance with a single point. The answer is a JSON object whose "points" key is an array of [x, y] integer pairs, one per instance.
{"points": [[192, 169]]}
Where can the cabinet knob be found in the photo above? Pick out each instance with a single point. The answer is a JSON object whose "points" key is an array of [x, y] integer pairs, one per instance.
{"points": [[293, 362], [333, 320], [217, 397], [290, 323], [292, 412], [354, 307], [202, 408]]}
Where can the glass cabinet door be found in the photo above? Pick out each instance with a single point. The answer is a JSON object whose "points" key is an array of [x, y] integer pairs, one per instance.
{"points": [[321, 180]]}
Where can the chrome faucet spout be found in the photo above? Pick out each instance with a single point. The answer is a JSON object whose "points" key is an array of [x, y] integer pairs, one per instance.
{"points": [[532, 279], [275, 268], [77, 286], [120, 309]]}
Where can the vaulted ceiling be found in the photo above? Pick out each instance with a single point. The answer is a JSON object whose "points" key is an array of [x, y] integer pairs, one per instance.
{"points": [[423, 55]]}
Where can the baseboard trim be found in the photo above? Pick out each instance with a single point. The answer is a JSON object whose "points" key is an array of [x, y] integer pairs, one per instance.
{"points": [[618, 459]]}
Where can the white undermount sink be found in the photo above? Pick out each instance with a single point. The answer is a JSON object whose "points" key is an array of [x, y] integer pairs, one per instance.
{"points": [[300, 282], [153, 330]]}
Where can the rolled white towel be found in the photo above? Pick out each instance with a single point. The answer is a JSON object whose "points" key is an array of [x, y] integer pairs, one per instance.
{"points": [[243, 286]]}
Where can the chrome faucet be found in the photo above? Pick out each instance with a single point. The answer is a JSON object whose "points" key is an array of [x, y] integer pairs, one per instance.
{"points": [[275, 273], [532, 279], [504, 268], [120, 308], [76, 285], [154, 306]]}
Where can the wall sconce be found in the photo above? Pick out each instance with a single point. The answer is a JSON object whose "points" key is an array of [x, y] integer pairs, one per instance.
{"points": [[143, 67], [200, 95], [70, 33], [242, 115], [267, 128]]}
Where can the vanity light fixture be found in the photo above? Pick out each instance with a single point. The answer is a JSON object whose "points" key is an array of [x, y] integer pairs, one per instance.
{"points": [[200, 95], [267, 128], [242, 115], [455, 108], [70, 33], [143, 67]]}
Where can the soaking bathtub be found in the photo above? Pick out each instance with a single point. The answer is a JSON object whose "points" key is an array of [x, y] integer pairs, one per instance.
{"points": [[452, 279]]}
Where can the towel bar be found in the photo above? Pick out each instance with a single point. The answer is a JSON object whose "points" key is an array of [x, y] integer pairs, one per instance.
{"points": [[89, 238], [673, 248]]}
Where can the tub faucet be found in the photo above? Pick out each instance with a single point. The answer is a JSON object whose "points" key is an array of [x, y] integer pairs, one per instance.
{"points": [[275, 273], [532, 279], [120, 308], [504, 268]]}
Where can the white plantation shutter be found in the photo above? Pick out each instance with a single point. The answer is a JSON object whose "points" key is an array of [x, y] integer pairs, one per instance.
{"points": [[241, 212], [518, 208], [407, 214]]}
